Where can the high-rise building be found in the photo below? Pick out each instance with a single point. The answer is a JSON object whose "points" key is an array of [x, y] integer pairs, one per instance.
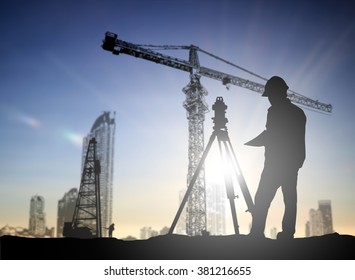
{"points": [[315, 223], [103, 130], [66, 207], [320, 220], [216, 209], [325, 208], [37, 224]]}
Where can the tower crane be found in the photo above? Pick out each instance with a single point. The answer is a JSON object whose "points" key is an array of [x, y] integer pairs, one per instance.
{"points": [[196, 107]]}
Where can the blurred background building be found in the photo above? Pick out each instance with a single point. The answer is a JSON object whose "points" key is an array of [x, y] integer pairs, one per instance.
{"points": [[37, 223], [320, 220], [66, 207], [103, 130]]}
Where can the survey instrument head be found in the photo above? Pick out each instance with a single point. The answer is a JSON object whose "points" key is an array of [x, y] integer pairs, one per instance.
{"points": [[219, 119]]}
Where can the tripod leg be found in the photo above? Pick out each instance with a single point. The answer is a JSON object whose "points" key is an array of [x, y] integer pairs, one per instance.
{"points": [[229, 188], [240, 177], [192, 182], [234, 216]]}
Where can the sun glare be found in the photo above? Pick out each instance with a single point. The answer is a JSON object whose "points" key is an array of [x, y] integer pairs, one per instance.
{"points": [[214, 168], [30, 121], [74, 138]]}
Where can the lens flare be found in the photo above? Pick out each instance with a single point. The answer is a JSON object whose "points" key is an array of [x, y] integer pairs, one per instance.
{"points": [[32, 122], [28, 120], [74, 138]]}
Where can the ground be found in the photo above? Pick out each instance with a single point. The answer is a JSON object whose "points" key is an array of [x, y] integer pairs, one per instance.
{"points": [[179, 247]]}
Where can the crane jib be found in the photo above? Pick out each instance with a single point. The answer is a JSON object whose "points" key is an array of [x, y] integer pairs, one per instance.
{"points": [[112, 44]]}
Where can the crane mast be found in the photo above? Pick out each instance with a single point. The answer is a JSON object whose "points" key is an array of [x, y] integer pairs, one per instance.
{"points": [[196, 108]]}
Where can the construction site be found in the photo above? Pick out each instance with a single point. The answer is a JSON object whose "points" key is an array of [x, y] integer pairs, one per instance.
{"points": [[87, 220], [85, 231]]}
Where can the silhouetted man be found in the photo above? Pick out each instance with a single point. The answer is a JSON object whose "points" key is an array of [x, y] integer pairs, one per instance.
{"points": [[284, 141], [111, 228]]}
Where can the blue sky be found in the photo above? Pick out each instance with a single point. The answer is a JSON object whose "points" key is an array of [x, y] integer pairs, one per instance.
{"points": [[55, 80]]}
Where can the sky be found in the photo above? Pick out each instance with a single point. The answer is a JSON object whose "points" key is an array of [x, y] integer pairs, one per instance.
{"points": [[55, 80]]}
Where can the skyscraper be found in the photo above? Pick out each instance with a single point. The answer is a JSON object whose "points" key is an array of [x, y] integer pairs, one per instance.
{"points": [[103, 130], [66, 207], [37, 224], [315, 223], [216, 209], [326, 210], [320, 220]]}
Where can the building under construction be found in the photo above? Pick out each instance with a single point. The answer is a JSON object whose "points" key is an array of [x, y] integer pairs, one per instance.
{"points": [[103, 130]]}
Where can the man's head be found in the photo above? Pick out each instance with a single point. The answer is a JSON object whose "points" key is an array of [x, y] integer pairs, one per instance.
{"points": [[275, 89], [275, 86]]}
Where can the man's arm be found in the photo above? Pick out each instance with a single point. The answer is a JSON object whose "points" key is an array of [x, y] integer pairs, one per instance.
{"points": [[259, 140]]}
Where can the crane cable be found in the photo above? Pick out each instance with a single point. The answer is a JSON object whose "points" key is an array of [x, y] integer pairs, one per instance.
{"points": [[184, 47], [232, 64], [243, 69]]}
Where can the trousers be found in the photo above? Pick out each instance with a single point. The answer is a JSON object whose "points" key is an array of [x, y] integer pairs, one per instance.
{"points": [[271, 179]]}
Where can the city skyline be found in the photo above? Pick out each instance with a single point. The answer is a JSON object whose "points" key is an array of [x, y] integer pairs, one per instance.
{"points": [[216, 218], [56, 79]]}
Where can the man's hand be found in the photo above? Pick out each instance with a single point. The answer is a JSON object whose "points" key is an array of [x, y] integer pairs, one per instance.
{"points": [[258, 141]]}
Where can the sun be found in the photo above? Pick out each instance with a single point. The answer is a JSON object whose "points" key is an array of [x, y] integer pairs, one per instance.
{"points": [[214, 167]]}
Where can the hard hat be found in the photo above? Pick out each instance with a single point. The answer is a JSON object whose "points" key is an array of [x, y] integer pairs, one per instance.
{"points": [[275, 85]]}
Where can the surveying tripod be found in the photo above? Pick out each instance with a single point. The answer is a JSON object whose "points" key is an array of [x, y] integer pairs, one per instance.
{"points": [[228, 158]]}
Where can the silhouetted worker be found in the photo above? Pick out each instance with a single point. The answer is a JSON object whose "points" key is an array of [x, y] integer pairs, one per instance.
{"points": [[111, 228], [284, 141]]}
